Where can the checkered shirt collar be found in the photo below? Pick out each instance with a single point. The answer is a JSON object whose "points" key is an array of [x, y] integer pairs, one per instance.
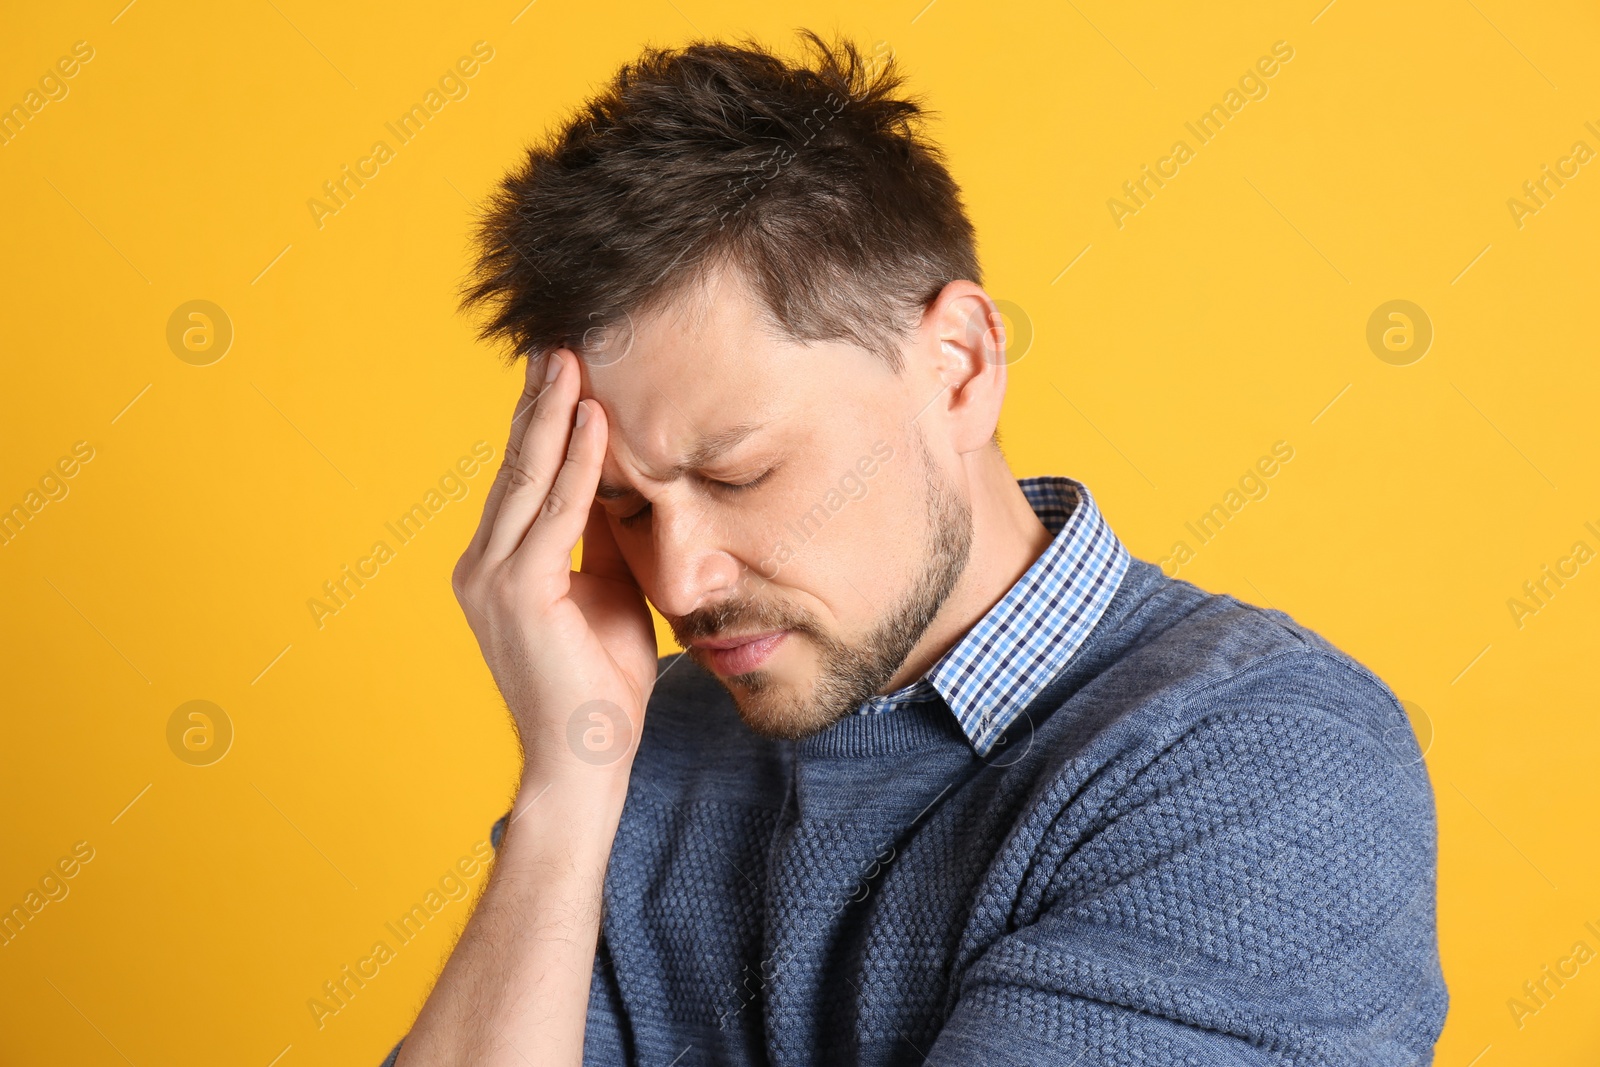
{"points": [[1000, 664]]}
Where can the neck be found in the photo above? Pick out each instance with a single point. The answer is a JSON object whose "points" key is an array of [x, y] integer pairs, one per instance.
{"points": [[1007, 537]]}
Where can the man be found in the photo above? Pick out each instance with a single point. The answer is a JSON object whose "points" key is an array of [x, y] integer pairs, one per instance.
{"points": [[944, 774]]}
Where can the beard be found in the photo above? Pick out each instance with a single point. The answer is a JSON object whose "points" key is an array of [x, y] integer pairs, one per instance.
{"points": [[849, 672]]}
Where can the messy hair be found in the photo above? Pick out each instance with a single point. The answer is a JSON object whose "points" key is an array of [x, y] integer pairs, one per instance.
{"points": [[813, 181]]}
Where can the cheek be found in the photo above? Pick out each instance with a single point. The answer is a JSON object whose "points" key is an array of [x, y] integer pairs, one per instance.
{"points": [[850, 552], [889, 528]]}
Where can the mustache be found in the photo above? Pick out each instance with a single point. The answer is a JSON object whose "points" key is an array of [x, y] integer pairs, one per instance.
{"points": [[744, 616]]}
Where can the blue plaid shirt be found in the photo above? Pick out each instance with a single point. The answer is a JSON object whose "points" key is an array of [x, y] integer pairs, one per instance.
{"points": [[1002, 663]]}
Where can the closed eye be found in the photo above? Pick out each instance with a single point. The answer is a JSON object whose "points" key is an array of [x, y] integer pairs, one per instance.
{"points": [[732, 487], [744, 485]]}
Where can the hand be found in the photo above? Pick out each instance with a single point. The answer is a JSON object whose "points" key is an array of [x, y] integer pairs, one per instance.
{"points": [[571, 651]]}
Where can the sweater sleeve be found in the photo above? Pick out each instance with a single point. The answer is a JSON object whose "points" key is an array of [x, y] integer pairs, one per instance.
{"points": [[1262, 891]]}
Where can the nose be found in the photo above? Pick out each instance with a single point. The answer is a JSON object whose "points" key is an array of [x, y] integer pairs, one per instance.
{"points": [[692, 570]]}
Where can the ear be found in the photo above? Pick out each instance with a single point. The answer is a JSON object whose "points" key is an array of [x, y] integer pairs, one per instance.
{"points": [[970, 362]]}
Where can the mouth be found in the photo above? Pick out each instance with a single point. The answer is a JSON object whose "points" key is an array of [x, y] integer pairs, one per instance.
{"points": [[730, 656]]}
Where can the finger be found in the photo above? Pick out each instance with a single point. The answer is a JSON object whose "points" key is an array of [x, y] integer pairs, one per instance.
{"points": [[533, 387], [566, 507], [601, 556], [530, 476]]}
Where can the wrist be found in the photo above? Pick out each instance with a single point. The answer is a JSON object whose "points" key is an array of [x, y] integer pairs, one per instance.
{"points": [[569, 779], [573, 808], [591, 751]]}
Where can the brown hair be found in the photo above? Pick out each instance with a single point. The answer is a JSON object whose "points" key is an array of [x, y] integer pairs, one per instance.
{"points": [[812, 181]]}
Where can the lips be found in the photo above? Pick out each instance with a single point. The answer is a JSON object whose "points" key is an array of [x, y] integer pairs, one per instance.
{"points": [[738, 655]]}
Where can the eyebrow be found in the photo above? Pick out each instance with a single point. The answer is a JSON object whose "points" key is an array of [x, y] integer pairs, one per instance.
{"points": [[708, 451]]}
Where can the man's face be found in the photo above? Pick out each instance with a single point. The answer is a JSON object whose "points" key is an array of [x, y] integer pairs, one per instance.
{"points": [[845, 543]]}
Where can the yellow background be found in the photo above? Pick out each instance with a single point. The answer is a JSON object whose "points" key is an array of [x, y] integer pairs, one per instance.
{"points": [[368, 755]]}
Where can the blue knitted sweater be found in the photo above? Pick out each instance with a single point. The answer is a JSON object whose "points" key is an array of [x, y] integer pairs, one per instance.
{"points": [[1209, 840]]}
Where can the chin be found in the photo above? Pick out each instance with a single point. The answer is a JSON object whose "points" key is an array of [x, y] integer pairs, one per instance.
{"points": [[771, 708], [780, 699]]}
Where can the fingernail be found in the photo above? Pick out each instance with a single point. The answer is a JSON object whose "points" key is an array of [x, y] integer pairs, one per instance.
{"points": [[552, 368], [583, 413]]}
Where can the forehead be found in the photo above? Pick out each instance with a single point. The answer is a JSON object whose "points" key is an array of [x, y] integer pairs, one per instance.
{"points": [[702, 370]]}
